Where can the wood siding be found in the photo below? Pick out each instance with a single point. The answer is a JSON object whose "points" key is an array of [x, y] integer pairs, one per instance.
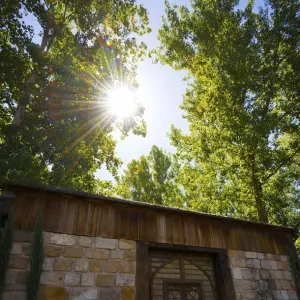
{"points": [[82, 216]]}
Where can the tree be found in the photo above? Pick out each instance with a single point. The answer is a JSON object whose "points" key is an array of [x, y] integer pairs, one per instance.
{"points": [[152, 179], [54, 124], [241, 154]]}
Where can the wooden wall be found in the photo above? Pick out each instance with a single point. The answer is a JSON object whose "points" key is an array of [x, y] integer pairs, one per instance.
{"points": [[105, 218]]}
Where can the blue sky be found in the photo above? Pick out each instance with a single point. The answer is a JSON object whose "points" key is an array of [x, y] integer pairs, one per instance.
{"points": [[160, 90]]}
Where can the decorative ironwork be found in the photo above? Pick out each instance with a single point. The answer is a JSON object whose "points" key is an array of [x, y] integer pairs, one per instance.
{"points": [[183, 291]]}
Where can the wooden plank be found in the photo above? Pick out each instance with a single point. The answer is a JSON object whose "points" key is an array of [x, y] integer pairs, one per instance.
{"points": [[143, 225], [124, 222], [20, 206], [178, 230], [134, 224], [46, 207], [58, 206], [268, 241], [193, 239], [186, 232], [232, 237], [161, 228], [70, 218], [257, 241], [169, 229], [244, 237], [31, 210], [103, 229], [273, 239], [225, 235], [93, 218], [81, 226], [113, 230], [251, 239], [151, 219], [238, 238]]}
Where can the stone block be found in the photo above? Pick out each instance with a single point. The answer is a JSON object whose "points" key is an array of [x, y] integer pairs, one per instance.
{"points": [[264, 274], [110, 293], [97, 265], [256, 263], [104, 243], [232, 253], [63, 264], [131, 255], [20, 235], [53, 251], [249, 263], [81, 265], [73, 252], [97, 253], [132, 267], [48, 264], [127, 244], [16, 248], [241, 254], [237, 273], [87, 279], [284, 258], [247, 274], [72, 279], [6, 295], [117, 254], [275, 284], [104, 280], [250, 295], [128, 293], [287, 275], [18, 295], [260, 256], [17, 262], [265, 264], [273, 265], [286, 285], [277, 295], [52, 278], [125, 279], [263, 285], [233, 261], [115, 266], [83, 294], [63, 239], [85, 241], [21, 277], [285, 295], [46, 237], [241, 262], [26, 249], [278, 274], [245, 285], [10, 276], [281, 265], [292, 295], [53, 293], [251, 254], [15, 287], [272, 274]]}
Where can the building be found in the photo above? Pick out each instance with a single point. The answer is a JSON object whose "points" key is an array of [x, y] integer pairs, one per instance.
{"points": [[111, 249]]}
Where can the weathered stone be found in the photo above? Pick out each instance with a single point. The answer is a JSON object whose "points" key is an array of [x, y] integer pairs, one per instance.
{"points": [[85, 241], [285, 295], [249, 263], [97, 265], [232, 253], [6, 295], [48, 264], [292, 295], [20, 235], [233, 261], [21, 277], [241, 254], [53, 293], [245, 284], [260, 256], [237, 273], [52, 278], [131, 255], [273, 265], [83, 294], [17, 262], [16, 248], [63, 264], [272, 274], [15, 287], [52, 251], [97, 253], [10, 276], [265, 264], [284, 258], [125, 279], [62, 239], [264, 274], [282, 265], [251, 254], [106, 280], [46, 237], [263, 285], [117, 254], [132, 267], [74, 252], [72, 279], [250, 295], [126, 244], [278, 275], [114, 266], [241, 262], [110, 293], [256, 263], [88, 279], [26, 249], [247, 274], [104, 243], [81, 265], [277, 295], [287, 275], [18, 296], [286, 285], [275, 284], [127, 293]]}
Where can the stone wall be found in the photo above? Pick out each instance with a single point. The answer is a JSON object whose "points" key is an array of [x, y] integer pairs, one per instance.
{"points": [[76, 268], [262, 276]]}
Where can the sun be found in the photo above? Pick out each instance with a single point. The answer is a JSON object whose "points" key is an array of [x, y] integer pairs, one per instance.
{"points": [[121, 101]]}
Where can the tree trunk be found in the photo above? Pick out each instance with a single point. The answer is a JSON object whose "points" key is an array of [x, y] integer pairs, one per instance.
{"points": [[260, 206]]}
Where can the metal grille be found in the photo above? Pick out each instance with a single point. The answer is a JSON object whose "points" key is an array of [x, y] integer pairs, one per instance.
{"points": [[183, 291]]}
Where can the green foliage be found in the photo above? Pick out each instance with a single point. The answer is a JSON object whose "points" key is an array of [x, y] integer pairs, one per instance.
{"points": [[54, 124], [6, 242], [36, 260], [241, 154], [152, 179]]}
